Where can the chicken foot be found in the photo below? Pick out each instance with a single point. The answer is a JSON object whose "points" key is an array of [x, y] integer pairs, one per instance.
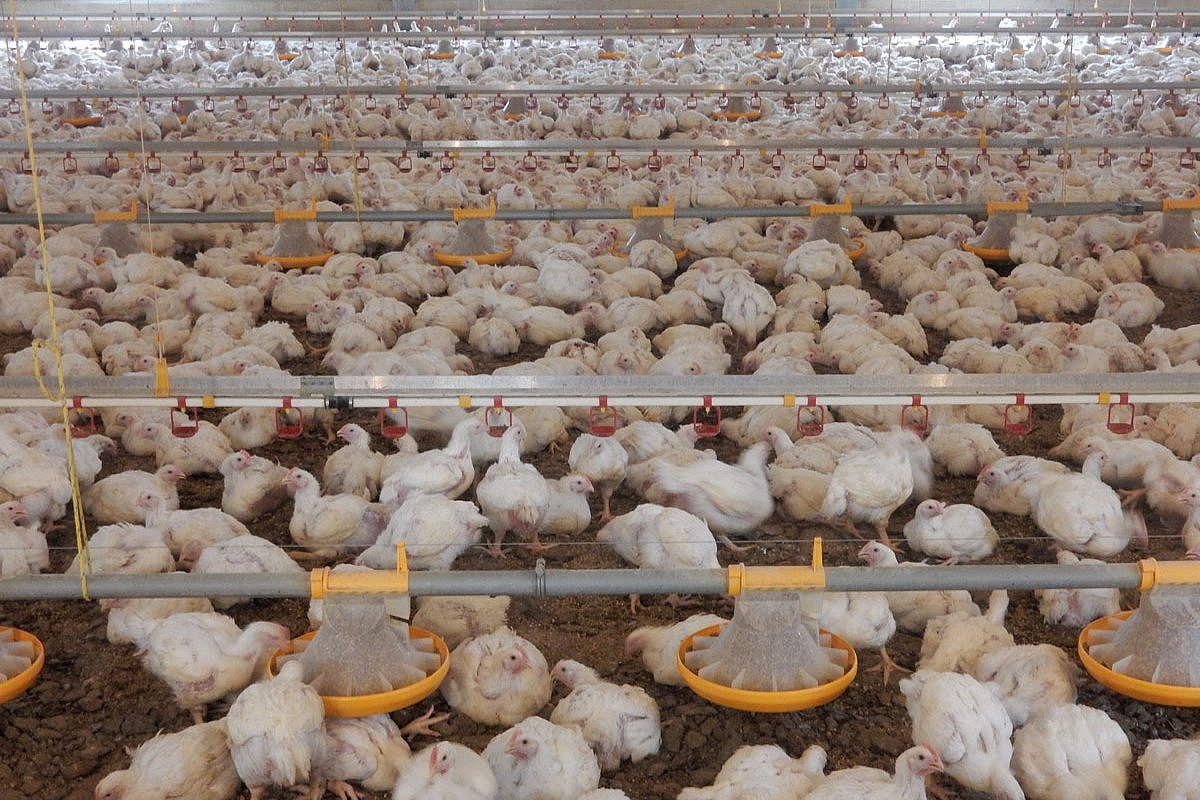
{"points": [[423, 724], [735, 548], [343, 790], [887, 666]]}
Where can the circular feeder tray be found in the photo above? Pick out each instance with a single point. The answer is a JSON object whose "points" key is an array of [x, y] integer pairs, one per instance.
{"points": [[455, 260], [287, 56], [440, 56], [989, 254], [611, 56], [295, 262], [1159, 693], [1166, 51], [734, 116], [680, 255], [383, 702], [859, 247], [951, 114], [82, 122], [1103, 51], [774, 54], [769, 702], [845, 53], [1137, 239], [514, 117], [16, 685]]}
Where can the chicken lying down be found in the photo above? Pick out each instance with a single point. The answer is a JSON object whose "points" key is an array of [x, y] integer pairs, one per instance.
{"points": [[181, 527], [914, 610], [957, 532], [277, 736], [568, 513], [446, 771], [435, 530], [763, 770], [126, 548], [618, 722], [23, 548], [659, 645], [369, 751], [459, 617], [1001, 484], [203, 657], [328, 525], [447, 471], [868, 783], [114, 498], [1072, 751], [965, 723], [253, 486], [956, 642], [1029, 678], [497, 678], [194, 763], [249, 554], [1171, 769], [538, 760], [1082, 513], [1075, 608]]}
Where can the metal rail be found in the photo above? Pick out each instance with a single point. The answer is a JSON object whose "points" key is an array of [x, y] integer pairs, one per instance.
{"points": [[326, 391]]}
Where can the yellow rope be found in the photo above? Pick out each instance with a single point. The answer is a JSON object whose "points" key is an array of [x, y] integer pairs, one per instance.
{"points": [[345, 76], [81, 539]]}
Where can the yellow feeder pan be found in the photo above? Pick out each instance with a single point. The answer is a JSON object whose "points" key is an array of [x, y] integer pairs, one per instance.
{"points": [[454, 260], [286, 56], [82, 122], [383, 702], [734, 116], [1103, 51], [295, 262], [1166, 51], [1159, 693], [680, 255], [612, 55], [950, 114], [848, 53], [16, 685], [986, 253], [774, 54], [860, 247], [766, 702]]}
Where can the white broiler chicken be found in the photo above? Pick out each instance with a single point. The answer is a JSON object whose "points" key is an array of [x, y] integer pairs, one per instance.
{"points": [[657, 537], [958, 532], [914, 610], [127, 616], [513, 495], [1171, 769], [618, 722], [732, 498], [868, 485], [863, 619], [456, 618], [277, 736], [204, 657], [763, 771], [23, 549], [538, 760], [126, 548], [866, 783], [446, 771], [1075, 608], [956, 642], [497, 678], [183, 526], [246, 554], [659, 645], [435, 531], [355, 468], [602, 460], [369, 751], [114, 499], [1072, 751], [569, 513], [962, 448], [1081, 513], [966, 724], [1029, 677], [447, 471], [326, 525], [193, 763], [198, 454], [253, 486], [1001, 485]]}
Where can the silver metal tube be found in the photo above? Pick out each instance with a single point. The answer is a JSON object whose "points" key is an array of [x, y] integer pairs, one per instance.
{"points": [[542, 582]]}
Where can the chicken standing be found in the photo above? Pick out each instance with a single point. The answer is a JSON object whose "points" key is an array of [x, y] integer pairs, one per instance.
{"points": [[602, 460], [276, 734], [618, 722], [1072, 751], [355, 468], [369, 751], [538, 760], [1081, 513], [194, 763], [864, 620], [958, 532], [446, 771], [497, 678], [513, 495], [435, 530], [968, 727], [868, 485]]}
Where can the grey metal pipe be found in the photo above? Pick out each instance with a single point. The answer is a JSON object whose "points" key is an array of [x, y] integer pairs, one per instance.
{"points": [[542, 582]]}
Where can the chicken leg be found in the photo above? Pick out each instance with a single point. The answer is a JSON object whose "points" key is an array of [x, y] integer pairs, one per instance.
{"points": [[887, 666], [424, 724], [343, 790]]}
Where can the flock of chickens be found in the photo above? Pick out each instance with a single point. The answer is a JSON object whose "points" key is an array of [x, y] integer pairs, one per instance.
{"points": [[996, 716]]}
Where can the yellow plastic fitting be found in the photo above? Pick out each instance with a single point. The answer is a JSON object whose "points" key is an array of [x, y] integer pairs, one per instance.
{"points": [[1167, 573], [643, 212], [477, 213], [1180, 204], [325, 582], [162, 379], [1000, 206], [830, 209], [282, 214], [742, 578], [117, 216], [1162, 694]]}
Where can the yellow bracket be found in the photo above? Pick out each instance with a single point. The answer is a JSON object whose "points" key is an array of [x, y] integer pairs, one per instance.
{"points": [[743, 578], [1104, 398], [1172, 573], [117, 216], [325, 582], [309, 213], [999, 206], [208, 401], [162, 379], [983, 140], [643, 212], [464, 401], [789, 400], [325, 142], [1179, 204], [477, 213], [830, 209]]}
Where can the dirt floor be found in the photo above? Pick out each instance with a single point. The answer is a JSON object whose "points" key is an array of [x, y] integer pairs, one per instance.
{"points": [[94, 700]]}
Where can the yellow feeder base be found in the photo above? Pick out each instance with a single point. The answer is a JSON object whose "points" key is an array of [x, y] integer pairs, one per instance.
{"points": [[1159, 693], [383, 702], [1166, 51], [860, 247], [456, 261], [680, 255], [613, 56], [987, 253], [734, 116], [768, 702], [82, 122], [1020, 52], [1103, 51], [951, 114], [1137, 239], [772, 54], [287, 56], [295, 262], [16, 685], [440, 56], [514, 117], [846, 53]]}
